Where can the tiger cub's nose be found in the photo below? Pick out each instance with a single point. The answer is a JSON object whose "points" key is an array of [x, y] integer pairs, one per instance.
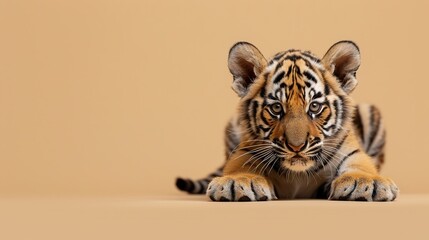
{"points": [[296, 148]]}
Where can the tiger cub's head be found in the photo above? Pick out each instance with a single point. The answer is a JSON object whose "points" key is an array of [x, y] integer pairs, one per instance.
{"points": [[295, 103]]}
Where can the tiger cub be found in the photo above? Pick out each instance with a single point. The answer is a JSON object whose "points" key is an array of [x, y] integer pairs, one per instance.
{"points": [[298, 133]]}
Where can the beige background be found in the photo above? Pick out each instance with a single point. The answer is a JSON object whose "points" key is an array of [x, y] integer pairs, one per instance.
{"points": [[120, 97]]}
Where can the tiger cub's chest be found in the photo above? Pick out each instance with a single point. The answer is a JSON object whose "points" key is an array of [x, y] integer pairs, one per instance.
{"points": [[296, 186]]}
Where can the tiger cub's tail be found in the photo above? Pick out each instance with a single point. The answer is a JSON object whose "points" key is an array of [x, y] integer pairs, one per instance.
{"points": [[197, 186]]}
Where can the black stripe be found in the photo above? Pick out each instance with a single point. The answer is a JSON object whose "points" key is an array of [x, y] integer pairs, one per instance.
{"points": [[315, 141], [377, 148], [374, 190], [347, 197], [337, 117], [344, 159], [307, 84], [317, 95], [327, 129], [264, 119], [191, 185], [247, 117], [255, 111], [181, 184], [327, 91], [264, 128], [357, 121], [232, 191], [374, 127], [289, 71], [246, 108], [336, 106], [297, 70], [345, 113], [308, 64], [326, 120], [252, 187], [337, 111], [279, 65], [308, 54], [279, 77], [271, 96], [278, 56], [262, 92], [310, 76], [292, 58]]}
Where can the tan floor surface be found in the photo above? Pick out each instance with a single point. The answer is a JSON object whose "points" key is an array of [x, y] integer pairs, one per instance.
{"points": [[194, 217]]}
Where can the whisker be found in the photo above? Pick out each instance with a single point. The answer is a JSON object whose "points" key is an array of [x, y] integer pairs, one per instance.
{"points": [[264, 159], [272, 165], [271, 160], [248, 141], [251, 151], [263, 155], [261, 152]]}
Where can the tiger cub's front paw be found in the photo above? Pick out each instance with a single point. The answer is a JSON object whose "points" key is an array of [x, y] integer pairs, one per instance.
{"points": [[240, 187], [363, 187]]}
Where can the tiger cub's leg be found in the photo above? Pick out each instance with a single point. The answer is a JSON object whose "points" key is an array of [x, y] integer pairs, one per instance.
{"points": [[357, 179], [241, 187], [239, 183], [357, 176], [238, 186]]}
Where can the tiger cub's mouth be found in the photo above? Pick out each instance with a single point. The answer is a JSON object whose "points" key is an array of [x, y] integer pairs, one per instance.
{"points": [[298, 163]]}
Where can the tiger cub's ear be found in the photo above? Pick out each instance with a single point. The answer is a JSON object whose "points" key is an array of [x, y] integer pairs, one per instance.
{"points": [[343, 59], [245, 62]]}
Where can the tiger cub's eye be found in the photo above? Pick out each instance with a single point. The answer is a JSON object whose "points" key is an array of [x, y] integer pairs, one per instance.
{"points": [[315, 107], [276, 108]]}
